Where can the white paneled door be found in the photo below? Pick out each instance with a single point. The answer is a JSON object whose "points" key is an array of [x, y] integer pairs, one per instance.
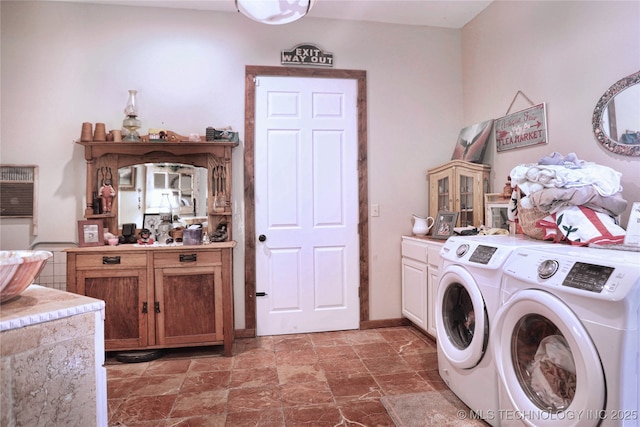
{"points": [[306, 205]]}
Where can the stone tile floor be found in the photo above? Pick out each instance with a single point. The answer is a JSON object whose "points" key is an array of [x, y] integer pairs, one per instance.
{"points": [[328, 378]]}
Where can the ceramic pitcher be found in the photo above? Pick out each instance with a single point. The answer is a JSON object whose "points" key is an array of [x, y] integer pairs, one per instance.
{"points": [[422, 225]]}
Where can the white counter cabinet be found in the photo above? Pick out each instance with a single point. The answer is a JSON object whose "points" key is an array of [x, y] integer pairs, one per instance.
{"points": [[420, 261]]}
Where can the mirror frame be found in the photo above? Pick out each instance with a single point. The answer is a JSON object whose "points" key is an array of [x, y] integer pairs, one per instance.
{"points": [[112, 155], [142, 177], [598, 129]]}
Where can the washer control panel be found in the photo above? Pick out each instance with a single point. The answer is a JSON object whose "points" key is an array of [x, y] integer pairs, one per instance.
{"points": [[474, 253], [482, 254]]}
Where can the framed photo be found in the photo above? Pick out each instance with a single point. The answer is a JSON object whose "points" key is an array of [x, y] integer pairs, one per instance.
{"points": [[90, 233], [472, 142], [632, 237], [445, 221], [127, 178], [496, 212], [151, 222]]}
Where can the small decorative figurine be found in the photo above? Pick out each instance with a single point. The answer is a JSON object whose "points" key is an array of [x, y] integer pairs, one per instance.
{"points": [[107, 192], [145, 237], [507, 190], [220, 234]]}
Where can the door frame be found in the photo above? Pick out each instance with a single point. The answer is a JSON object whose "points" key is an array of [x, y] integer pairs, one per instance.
{"points": [[251, 72]]}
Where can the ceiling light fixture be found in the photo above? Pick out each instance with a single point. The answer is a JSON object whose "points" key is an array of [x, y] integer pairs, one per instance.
{"points": [[274, 12]]}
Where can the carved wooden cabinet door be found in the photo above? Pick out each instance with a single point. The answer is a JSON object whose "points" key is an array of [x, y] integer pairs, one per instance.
{"points": [[188, 297], [124, 292], [158, 297]]}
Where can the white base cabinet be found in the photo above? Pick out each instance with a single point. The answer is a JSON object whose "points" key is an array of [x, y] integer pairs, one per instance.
{"points": [[420, 262]]}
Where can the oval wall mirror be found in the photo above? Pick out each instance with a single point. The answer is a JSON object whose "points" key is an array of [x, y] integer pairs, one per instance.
{"points": [[616, 119]]}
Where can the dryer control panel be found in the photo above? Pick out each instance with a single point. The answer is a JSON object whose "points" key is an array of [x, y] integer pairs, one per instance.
{"points": [[603, 276], [589, 277]]}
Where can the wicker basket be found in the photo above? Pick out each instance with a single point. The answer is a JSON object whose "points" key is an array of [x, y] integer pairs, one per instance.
{"points": [[527, 219]]}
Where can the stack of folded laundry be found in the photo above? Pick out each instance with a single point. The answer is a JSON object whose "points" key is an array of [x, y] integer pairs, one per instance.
{"points": [[581, 199]]}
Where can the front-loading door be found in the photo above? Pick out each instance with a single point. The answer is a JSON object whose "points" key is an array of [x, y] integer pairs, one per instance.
{"points": [[461, 318], [547, 363]]}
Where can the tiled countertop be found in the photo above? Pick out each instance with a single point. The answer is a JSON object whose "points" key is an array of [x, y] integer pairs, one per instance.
{"points": [[38, 304]]}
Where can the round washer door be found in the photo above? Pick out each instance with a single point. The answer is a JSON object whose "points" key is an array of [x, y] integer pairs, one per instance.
{"points": [[547, 363], [461, 318]]}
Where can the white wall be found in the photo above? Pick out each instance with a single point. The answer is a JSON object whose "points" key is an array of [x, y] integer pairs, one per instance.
{"points": [[65, 63], [564, 53]]}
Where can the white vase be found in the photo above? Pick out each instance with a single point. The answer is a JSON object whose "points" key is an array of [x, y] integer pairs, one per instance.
{"points": [[422, 225]]}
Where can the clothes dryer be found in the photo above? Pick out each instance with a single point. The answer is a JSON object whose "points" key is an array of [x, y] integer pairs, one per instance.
{"points": [[467, 299], [566, 338]]}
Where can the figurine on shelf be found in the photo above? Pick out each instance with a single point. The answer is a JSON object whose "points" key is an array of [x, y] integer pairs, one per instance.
{"points": [[220, 234], [507, 190], [145, 237], [107, 193]]}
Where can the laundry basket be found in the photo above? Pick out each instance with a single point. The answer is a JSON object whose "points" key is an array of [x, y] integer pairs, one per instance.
{"points": [[528, 218]]}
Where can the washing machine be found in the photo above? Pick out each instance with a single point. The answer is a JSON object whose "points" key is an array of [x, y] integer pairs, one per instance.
{"points": [[566, 338], [466, 302]]}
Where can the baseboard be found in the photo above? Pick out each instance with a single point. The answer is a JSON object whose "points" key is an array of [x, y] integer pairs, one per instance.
{"points": [[366, 324], [390, 323], [422, 332], [245, 333], [384, 323]]}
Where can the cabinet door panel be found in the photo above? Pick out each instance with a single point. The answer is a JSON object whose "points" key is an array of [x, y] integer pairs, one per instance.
{"points": [[190, 305], [432, 292], [414, 291], [459, 186], [124, 293], [466, 198], [440, 192]]}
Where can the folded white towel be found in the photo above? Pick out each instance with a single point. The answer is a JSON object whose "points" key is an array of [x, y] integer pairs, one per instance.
{"points": [[531, 178]]}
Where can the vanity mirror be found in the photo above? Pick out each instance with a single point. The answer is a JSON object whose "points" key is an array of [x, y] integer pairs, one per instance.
{"points": [[196, 176], [141, 186], [616, 118]]}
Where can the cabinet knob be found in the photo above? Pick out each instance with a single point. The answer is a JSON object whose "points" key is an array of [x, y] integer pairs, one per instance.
{"points": [[262, 237]]}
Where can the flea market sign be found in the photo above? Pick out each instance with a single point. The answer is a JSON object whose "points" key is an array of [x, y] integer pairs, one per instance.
{"points": [[306, 54], [526, 127]]}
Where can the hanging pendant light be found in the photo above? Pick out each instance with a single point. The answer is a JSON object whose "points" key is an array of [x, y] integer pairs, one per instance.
{"points": [[274, 12]]}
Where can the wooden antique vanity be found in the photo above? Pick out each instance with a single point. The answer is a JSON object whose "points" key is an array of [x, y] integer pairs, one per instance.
{"points": [[159, 296]]}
